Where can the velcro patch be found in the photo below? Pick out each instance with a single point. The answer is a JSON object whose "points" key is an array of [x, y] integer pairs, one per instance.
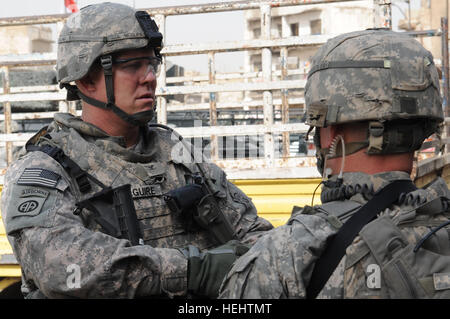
{"points": [[441, 281], [31, 201], [27, 192], [38, 177], [146, 191]]}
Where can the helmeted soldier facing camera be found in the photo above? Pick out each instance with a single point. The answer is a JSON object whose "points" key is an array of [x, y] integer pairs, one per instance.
{"points": [[100, 206], [372, 97]]}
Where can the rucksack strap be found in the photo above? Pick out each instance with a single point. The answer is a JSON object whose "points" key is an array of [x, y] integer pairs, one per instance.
{"points": [[73, 169], [337, 244]]}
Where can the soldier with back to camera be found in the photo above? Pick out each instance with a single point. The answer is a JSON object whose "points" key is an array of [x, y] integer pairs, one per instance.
{"points": [[102, 206], [372, 97]]}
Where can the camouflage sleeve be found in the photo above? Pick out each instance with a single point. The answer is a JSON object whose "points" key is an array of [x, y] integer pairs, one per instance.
{"points": [[239, 208], [65, 259], [249, 222], [280, 263]]}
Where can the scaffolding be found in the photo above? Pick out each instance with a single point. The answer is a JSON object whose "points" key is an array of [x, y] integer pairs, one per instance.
{"points": [[274, 159]]}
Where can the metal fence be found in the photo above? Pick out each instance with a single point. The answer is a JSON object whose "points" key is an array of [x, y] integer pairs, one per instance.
{"points": [[275, 160]]}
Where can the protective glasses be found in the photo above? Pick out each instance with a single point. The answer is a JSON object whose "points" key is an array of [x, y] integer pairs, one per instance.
{"points": [[140, 66]]}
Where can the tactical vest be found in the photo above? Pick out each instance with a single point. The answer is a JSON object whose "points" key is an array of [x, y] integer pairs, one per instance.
{"points": [[149, 181], [408, 268]]}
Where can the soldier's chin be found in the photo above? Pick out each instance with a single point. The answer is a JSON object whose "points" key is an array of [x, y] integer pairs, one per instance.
{"points": [[144, 117]]}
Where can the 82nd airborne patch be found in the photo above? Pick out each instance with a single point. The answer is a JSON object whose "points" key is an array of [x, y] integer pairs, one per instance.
{"points": [[31, 201]]}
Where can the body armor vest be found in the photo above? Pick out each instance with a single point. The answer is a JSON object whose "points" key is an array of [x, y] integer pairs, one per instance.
{"points": [[149, 181]]}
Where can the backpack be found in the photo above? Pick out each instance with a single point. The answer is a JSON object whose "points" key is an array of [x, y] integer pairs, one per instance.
{"points": [[409, 270]]}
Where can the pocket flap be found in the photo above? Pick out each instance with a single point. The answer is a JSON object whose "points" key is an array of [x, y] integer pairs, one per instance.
{"points": [[408, 76]]}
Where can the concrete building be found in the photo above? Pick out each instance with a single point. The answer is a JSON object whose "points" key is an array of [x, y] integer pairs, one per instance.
{"points": [[25, 39], [297, 21], [427, 17], [330, 18], [28, 39]]}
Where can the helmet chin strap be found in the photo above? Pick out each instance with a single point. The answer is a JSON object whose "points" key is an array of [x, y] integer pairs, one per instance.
{"points": [[335, 150], [323, 156], [137, 119], [332, 154]]}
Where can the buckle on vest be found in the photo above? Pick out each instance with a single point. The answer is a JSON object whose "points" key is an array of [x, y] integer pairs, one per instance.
{"points": [[82, 181], [376, 129], [51, 151]]}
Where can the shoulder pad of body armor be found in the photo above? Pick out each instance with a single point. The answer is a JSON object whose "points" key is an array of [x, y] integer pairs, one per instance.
{"points": [[342, 210]]}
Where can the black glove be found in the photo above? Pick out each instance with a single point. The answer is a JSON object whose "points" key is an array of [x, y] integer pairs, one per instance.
{"points": [[207, 270]]}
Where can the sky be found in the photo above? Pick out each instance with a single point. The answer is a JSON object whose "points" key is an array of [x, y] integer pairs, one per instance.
{"points": [[199, 28]]}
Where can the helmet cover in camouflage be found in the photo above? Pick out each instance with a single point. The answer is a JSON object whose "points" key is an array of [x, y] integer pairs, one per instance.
{"points": [[372, 75], [98, 30]]}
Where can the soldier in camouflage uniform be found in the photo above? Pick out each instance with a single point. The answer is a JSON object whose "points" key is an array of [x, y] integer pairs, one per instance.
{"points": [[372, 97], [62, 243]]}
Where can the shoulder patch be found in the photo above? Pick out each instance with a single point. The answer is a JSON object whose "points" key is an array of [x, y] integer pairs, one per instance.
{"points": [[31, 201], [38, 177]]}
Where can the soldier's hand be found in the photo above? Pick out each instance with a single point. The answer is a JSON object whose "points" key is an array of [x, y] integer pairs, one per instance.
{"points": [[207, 270]]}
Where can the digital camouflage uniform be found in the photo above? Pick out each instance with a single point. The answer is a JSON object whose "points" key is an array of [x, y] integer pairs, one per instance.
{"points": [[62, 247], [49, 238], [389, 82], [280, 264]]}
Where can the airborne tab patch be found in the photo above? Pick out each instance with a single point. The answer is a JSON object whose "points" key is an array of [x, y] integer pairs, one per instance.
{"points": [[38, 177], [30, 201]]}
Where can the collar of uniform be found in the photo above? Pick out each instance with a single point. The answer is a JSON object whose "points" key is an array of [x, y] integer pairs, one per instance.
{"points": [[144, 151], [376, 181], [357, 183], [75, 122]]}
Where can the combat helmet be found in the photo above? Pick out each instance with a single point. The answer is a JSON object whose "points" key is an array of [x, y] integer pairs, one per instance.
{"points": [[385, 78], [91, 36]]}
